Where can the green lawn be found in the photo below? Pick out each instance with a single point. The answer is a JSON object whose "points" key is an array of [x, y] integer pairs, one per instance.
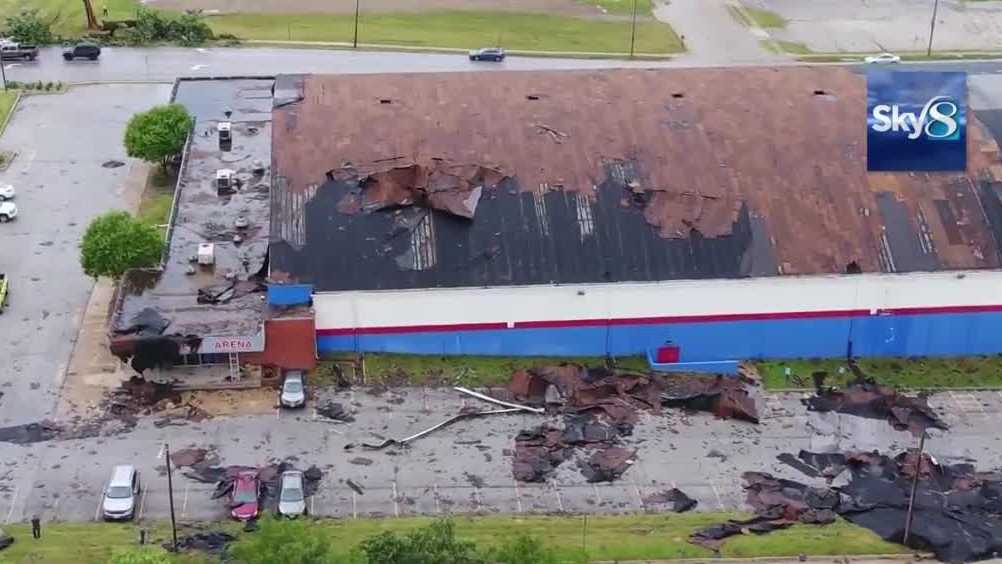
{"points": [[644, 7], [457, 29], [756, 17], [467, 370], [7, 98], [970, 372], [609, 538], [67, 16], [781, 46]]}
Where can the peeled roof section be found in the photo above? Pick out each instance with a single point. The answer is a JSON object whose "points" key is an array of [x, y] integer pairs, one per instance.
{"points": [[607, 175]]}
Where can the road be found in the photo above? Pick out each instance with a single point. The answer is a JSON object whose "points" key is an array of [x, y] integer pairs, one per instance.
{"points": [[123, 64]]}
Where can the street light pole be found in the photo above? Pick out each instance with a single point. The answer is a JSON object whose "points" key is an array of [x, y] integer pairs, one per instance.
{"points": [[170, 495], [915, 480], [3, 75], [633, 29], [932, 27], [354, 41]]}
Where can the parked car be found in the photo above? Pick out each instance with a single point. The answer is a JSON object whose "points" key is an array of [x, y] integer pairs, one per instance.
{"points": [[121, 494], [495, 54], [292, 499], [8, 211], [293, 390], [10, 51], [6, 192], [244, 496], [82, 51], [883, 59]]}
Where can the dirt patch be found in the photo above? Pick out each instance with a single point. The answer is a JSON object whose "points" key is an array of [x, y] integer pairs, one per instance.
{"points": [[559, 7]]}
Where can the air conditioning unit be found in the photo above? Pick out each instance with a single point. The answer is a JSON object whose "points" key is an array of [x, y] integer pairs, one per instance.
{"points": [[224, 179], [206, 254]]}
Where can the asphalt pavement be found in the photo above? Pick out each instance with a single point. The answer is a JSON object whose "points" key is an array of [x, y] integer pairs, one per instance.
{"points": [[466, 467], [61, 141], [164, 64]]}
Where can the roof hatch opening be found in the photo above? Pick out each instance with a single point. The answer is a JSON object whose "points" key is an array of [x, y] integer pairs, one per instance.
{"points": [[385, 101]]}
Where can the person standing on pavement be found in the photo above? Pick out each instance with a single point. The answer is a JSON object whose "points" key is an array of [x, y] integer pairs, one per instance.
{"points": [[36, 527]]}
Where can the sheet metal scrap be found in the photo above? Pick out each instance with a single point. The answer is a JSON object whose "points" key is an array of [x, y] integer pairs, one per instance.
{"points": [[778, 504], [866, 398], [437, 426], [724, 397], [675, 498], [957, 510], [213, 541], [448, 187]]}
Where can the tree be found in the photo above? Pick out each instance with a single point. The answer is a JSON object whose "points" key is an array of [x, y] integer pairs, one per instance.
{"points": [[141, 556], [523, 549], [116, 242], [89, 14], [159, 134], [434, 544], [29, 28], [282, 541]]}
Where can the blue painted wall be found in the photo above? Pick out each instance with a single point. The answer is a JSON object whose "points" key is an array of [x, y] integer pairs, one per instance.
{"points": [[289, 294], [879, 335]]}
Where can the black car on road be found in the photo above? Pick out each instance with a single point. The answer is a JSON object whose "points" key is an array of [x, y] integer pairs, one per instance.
{"points": [[82, 51], [495, 54]]}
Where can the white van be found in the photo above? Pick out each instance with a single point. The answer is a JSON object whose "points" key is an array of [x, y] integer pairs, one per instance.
{"points": [[121, 493]]}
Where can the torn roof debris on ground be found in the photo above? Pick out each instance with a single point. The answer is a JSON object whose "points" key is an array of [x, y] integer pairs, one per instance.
{"points": [[605, 176], [956, 508], [188, 299]]}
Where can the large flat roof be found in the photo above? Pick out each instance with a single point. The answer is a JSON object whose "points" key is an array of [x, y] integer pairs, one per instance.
{"points": [[202, 215], [603, 176]]}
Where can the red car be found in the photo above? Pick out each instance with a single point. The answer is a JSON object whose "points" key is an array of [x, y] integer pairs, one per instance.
{"points": [[245, 495]]}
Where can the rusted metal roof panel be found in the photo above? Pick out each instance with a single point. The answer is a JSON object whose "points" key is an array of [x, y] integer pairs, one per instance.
{"points": [[608, 175]]}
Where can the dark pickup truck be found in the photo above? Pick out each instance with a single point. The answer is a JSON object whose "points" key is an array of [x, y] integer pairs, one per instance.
{"points": [[17, 52]]}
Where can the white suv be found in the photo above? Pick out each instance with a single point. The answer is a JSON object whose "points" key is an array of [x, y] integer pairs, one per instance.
{"points": [[121, 494], [8, 211]]}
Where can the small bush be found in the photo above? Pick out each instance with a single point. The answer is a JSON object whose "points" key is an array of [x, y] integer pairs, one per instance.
{"points": [[29, 27], [48, 86], [39, 85], [14, 85]]}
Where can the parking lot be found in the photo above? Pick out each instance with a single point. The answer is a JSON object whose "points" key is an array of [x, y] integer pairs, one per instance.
{"points": [[465, 468], [61, 141]]}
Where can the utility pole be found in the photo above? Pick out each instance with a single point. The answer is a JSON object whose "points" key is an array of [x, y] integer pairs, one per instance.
{"points": [[3, 75], [633, 29], [932, 27], [354, 41], [915, 480], [170, 495]]}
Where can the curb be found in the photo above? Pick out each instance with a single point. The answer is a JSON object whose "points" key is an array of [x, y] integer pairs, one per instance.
{"points": [[431, 49], [10, 114]]}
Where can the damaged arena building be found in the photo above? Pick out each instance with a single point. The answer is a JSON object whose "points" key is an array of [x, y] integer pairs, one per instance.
{"points": [[712, 215]]}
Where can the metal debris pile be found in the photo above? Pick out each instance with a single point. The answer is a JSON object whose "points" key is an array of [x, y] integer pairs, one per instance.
{"points": [[866, 398], [202, 467], [957, 510], [335, 412], [212, 541], [448, 187], [600, 406]]}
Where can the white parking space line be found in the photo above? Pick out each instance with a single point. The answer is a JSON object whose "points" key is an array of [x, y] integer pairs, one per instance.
{"points": [[716, 494], [142, 500], [396, 502], [97, 510], [518, 497], [184, 504], [640, 497], [438, 506], [560, 500], [13, 503], [354, 505]]}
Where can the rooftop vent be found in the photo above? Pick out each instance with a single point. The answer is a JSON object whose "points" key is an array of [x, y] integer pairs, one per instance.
{"points": [[385, 101], [225, 129], [532, 97], [678, 95]]}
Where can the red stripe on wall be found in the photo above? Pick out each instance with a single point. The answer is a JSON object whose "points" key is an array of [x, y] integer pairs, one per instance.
{"points": [[664, 320]]}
